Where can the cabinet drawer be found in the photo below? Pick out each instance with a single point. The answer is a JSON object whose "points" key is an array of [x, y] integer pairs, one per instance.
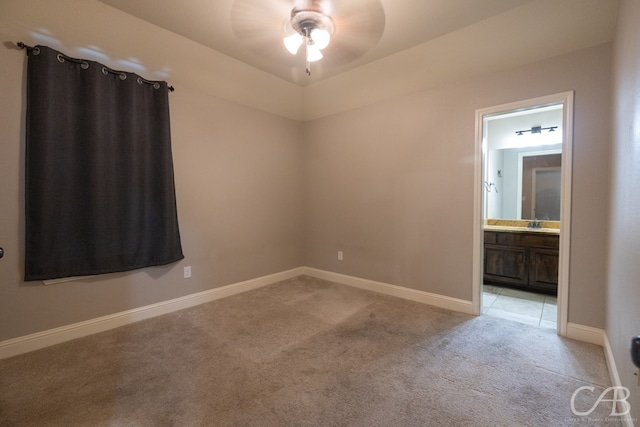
{"points": [[533, 239], [490, 237]]}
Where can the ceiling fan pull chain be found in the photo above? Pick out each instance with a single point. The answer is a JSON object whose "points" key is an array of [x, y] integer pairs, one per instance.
{"points": [[306, 51]]}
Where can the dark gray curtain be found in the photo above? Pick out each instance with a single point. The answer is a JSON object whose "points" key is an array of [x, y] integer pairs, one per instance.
{"points": [[100, 193]]}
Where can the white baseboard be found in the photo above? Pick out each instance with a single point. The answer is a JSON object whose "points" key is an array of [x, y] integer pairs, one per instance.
{"points": [[614, 376], [436, 300], [50, 337], [585, 334], [611, 363]]}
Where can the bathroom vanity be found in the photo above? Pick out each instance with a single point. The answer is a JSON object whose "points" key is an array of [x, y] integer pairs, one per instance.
{"points": [[522, 257]]}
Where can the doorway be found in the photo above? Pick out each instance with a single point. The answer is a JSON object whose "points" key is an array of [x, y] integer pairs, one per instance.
{"points": [[517, 187]]}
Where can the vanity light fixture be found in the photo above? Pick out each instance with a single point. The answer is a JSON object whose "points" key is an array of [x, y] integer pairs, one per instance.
{"points": [[537, 129], [311, 27]]}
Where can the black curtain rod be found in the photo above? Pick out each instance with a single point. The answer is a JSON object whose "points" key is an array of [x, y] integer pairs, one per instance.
{"points": [[37, 51]]}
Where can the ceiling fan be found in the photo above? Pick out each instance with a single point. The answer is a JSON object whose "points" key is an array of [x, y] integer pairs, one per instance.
{"points": [[338, 31]]}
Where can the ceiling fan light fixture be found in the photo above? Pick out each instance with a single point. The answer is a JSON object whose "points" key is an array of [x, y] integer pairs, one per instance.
{"points": [[313, 53], [293, 43], [320, 38], [311, 27]]}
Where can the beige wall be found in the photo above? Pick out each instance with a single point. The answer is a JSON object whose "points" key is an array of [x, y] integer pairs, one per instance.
{"points": [[623, 290], [391, 185], [238, 174]]}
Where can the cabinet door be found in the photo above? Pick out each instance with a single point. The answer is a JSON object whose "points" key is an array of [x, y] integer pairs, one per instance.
{"points": [[503, 264], [543, 270]]}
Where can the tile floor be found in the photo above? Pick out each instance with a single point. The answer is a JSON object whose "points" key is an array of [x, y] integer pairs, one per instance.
{"points": [[520, 306]]}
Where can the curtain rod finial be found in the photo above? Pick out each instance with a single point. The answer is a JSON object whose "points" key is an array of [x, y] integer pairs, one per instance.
{"points": [[26, 47]]}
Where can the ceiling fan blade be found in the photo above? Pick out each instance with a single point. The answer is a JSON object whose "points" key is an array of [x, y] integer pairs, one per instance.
{"points": [[358, 29], [257, 22]]}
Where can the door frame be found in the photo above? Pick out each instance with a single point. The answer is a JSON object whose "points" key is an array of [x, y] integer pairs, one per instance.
{"points": [[566, 99]]}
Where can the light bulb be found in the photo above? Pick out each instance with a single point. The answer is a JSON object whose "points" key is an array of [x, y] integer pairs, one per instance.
{"points": [[313, 53], [293, 42], [320, 38]]}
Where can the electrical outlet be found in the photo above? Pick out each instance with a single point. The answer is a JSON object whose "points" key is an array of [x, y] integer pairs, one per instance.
{"points": [[187, 272], [340, 256]]}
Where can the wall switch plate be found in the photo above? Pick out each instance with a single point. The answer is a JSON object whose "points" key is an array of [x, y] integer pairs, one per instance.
{"points": [[340, 256], [187, 272]]}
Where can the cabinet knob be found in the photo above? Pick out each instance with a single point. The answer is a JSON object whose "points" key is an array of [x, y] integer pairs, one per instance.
{"points": [[1, 252]]}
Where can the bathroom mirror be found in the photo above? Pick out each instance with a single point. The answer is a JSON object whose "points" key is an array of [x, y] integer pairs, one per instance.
{"points": [[522, 164]]}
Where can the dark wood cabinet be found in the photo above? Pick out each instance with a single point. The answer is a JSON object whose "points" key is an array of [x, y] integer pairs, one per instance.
{"points": [[543, 268], [527, 260], [505, 265]]}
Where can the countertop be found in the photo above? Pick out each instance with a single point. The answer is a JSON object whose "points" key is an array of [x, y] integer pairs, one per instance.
{"points": [[515, 229], [520, 226]]}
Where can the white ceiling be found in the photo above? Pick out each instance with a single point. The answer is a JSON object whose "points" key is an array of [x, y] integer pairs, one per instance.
{"points": [[408, 23]]}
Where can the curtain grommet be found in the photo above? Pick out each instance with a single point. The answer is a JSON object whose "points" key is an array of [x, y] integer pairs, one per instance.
{"points": [[121, 75], [83, 64], [155, 85]]}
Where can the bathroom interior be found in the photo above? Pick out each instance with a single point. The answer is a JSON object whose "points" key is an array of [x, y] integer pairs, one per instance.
{"points": [[522, 164]]}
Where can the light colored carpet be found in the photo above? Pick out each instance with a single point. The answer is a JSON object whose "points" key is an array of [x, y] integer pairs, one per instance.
{"points": [[306, 352]]}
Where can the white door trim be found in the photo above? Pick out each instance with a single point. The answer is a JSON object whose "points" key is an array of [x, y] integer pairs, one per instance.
{"points": [[566, 98]]}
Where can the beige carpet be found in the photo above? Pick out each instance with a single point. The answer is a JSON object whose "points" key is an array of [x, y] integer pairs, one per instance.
{"points": [[305, 352]]}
